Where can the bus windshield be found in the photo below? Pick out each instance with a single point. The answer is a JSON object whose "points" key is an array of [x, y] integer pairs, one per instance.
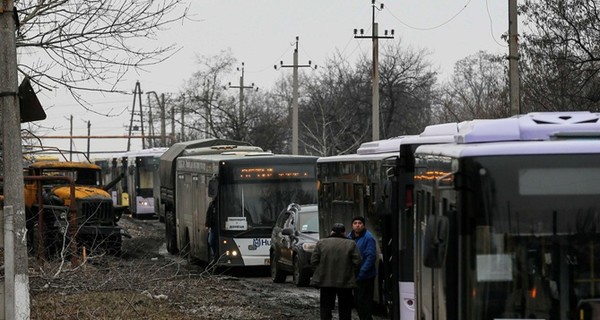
{"points": [[534, 237], [257, 204]]}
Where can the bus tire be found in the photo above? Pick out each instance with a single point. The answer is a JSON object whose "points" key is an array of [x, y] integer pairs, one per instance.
{"points": [[171, 232]]}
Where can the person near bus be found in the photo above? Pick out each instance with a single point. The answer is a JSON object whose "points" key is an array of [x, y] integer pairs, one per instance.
{"points": [[365, 279], [212, 225], [335, 261]]}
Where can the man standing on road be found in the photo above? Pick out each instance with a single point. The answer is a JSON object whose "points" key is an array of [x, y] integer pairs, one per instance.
{"points": [[335, 260], [212, 224], [365, 280]]}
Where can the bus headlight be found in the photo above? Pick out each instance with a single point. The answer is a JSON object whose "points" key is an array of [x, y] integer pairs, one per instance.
{"points": [[309, 246], [232, 253]]}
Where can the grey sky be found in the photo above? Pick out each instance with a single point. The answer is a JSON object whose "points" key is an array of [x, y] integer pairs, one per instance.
{"points": [[261, 33]]}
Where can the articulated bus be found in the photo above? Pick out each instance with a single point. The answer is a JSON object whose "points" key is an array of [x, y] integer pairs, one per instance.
{"points": [[358, 184], [250, 190], [508, 220], [142, 175]]}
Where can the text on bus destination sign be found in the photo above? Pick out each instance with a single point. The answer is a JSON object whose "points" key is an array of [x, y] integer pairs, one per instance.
{"points": [[270, 173]]}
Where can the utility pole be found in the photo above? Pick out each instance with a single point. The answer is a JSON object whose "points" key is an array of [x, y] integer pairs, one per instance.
{"points": [[150, 125], [16, 303], [241, 109], [89, 125], [513, 58], [375, 73], [295, 95], [182, 119], [71, 140], [161, 105], [173, 136], [137, 93]]}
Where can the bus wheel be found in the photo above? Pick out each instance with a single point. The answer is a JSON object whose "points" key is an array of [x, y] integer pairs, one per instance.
{"points": [[171, 233], [277, 275]]}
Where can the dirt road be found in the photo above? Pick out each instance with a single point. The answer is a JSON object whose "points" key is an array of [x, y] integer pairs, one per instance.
{"points": [[147, 283]]}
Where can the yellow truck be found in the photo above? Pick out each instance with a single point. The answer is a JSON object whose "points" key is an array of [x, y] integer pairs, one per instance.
{"points": [[68, 208]]}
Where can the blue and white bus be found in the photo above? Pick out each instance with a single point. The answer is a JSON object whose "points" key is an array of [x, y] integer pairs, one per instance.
{"points": [[508, 220]]}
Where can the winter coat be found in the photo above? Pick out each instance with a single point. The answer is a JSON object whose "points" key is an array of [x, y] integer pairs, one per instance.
{"points": [[335, 260], [368, 252]]}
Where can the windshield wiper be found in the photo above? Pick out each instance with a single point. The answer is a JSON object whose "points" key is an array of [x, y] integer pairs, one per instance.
{"points": [[243, 233]]}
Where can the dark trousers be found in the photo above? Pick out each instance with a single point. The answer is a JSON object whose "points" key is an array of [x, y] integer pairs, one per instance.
{"points": [[363, 298], [327, 301]]}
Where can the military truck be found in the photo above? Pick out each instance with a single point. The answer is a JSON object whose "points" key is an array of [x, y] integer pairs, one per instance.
{"points": [[67, 201]]}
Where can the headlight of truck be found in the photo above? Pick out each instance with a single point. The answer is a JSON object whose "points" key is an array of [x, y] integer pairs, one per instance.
{"points": [[309, 246]]}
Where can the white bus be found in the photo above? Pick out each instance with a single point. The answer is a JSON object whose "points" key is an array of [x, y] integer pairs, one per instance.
{"points": [[358, 184], [250, 190], [142, 176], [508, 220]]}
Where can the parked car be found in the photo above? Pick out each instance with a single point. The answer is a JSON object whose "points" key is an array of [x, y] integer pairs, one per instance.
{"points": [[293, 240]]}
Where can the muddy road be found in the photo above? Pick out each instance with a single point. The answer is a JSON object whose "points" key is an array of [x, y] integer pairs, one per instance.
{"points": [[148, 283]]}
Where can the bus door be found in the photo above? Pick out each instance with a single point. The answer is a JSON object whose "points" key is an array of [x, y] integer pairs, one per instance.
{"points": [[199, 235], [436, 216]]}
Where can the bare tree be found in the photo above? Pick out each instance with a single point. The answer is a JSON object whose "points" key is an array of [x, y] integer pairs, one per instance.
{"points": [[89, 45], [207, 109], [335, 112], [477, 89], [407, 80], [560, 56]]}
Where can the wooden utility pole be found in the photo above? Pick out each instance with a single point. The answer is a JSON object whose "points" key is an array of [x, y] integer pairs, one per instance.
{"points": [[295, 67], [513, 58], [163, 127], [71, 140], [16, 279], [89, 126], [375, 72], [241, 109]]}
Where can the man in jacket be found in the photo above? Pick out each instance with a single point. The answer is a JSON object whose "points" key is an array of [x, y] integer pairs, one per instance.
{"points": [[365, 280], [335, 260]]}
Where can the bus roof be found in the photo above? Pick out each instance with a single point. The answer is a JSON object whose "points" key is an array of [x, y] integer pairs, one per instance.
{"points": [[532, 126], [167, 159], [382, 149], [511, 148], [240, 156], [152, 152], [358, 157], [519, 134], [438, 133]]}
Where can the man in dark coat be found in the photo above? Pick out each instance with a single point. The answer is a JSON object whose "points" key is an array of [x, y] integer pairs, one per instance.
{"points": [[336, 260]]}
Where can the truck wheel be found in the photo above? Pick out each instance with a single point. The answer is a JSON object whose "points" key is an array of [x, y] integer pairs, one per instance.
{"points": [[301, 278], [171, 232], [277, 275]]}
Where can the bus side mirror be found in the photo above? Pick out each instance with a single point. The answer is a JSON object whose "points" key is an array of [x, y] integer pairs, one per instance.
{"points": [[435, 241], [213, 187]]}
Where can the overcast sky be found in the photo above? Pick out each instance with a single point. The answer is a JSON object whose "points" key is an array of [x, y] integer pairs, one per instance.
{"points": [[261, 33]]}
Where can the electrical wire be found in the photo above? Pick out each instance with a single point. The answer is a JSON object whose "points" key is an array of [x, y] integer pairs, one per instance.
{"points": [[434, 27]]}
